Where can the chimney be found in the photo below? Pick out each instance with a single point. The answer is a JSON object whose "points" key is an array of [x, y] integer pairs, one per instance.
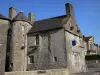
{"points": [[69, 9], [31, 17], [70, 12], [12, 12]]}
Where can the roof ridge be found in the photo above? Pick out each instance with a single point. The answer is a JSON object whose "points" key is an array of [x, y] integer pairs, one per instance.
{"points": [[53, 17]]}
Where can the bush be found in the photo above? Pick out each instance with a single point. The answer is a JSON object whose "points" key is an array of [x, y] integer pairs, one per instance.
{"points": [[92, 57]]}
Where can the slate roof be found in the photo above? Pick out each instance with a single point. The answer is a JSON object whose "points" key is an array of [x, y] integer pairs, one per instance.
{"points": [[95, 44], [47, 24], [87, 38], [3, 17], [84, 38], [20, 17]]}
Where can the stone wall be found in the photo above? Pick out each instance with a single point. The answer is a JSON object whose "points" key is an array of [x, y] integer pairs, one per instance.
{"points": [[40, 72], [18, 43], [75, 54], [3, 42], [93, 65], [52, 45], [58, 50]]}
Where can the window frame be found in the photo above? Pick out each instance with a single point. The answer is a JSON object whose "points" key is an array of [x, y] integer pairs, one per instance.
{"points": [[37, 39], [30, 59]]}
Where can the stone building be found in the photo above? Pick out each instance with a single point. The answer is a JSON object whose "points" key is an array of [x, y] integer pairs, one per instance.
{"points": [[95, 48], [85, 45], [53, 43], [90, 47], [98, 49], [4, 25], [90, 41]]}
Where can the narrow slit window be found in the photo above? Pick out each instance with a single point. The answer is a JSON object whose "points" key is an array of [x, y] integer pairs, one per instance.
{"points": [[55, 58]]}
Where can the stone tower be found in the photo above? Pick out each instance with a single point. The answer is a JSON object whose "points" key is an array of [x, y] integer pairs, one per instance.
{"points": [[20, 25]]}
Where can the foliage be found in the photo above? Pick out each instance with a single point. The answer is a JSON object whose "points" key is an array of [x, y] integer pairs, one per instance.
{"points": [[92, 57]]}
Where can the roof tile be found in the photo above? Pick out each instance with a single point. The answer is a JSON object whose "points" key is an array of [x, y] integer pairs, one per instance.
{"points": [[20, 17]]}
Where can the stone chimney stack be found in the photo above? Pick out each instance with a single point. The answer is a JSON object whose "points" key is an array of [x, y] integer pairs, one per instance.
{"points": [[69, 9], [31, 17], [12, 12], [70, 12]]}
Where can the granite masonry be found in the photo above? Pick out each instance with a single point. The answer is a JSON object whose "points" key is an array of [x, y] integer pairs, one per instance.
{"points": [[53, 45]]}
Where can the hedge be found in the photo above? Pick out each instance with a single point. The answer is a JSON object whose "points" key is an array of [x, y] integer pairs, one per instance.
{"points": [[92, 57]]}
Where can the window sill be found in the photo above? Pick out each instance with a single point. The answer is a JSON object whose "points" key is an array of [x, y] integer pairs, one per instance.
{"points": [[34, 46]]}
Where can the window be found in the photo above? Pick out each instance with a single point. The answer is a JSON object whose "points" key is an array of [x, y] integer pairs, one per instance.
{"points": [[37, 39], [55, 59], [11, 64], [73, 42], [31, 59]]}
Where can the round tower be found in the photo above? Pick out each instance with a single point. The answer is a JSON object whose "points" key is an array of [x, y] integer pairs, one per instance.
{"points": [[20, 26]]}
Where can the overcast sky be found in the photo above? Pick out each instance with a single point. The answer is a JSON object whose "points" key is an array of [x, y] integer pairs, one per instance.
{"points": [[87, 12]]}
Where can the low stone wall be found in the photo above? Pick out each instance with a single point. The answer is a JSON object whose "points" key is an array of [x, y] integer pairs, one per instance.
{"points": [[40, 72], [93, 64]]}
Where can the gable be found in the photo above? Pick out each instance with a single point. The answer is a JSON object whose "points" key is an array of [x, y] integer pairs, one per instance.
{"points": [[72, 28], [91, 39]]}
